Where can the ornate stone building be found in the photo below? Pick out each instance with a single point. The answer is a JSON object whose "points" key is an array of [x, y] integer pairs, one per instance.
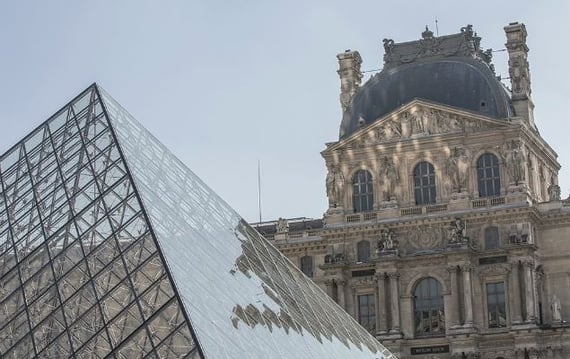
{"points": [[445, 234]]}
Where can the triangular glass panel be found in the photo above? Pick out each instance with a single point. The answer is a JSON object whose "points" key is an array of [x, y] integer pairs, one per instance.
{"points": [[111, 247]]}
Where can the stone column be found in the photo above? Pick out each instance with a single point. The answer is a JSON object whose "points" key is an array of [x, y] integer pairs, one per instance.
{"points": [[468, 295], [329, 287], [453, 308], [340, 284], [515, 297], [528, 266], [395, 303], [381, 318]]}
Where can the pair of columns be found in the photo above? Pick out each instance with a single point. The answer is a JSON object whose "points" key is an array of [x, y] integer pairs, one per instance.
{"points": [[466, 271], [515, 280], [381, 303], [381, 315], [515, 294]]}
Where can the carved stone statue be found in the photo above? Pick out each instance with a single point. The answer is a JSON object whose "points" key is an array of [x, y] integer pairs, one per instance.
{"points": [[387, 241], [388, 49], [335, 186], [458, 232], [554, 191], [456, 167], [390, 130], [516, 160], [518, 71], [556, 309], [389, 177], [282, 225]]}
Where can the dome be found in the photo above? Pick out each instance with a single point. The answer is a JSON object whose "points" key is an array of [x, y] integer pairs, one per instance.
{"points": [[463, 82]]}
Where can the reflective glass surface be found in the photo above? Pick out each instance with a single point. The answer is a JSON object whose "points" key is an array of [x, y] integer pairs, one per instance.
{"points": [[110, 247]]}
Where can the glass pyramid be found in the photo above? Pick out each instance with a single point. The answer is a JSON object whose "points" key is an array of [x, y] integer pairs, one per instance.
{"points": [[110, 247]]}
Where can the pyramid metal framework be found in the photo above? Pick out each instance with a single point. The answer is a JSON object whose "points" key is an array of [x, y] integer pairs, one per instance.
{"points": [[110, 247]]}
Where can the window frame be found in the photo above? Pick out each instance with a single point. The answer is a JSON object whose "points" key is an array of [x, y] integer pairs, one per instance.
{"points": [[362, 201], [488, 162], [370, 315], [486, 238], [424, 193], [359, 246], [433, 303], [488, 305], [303, 263]]}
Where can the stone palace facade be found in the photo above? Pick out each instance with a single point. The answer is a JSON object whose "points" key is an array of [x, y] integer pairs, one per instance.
{"points": [[445, 236]]}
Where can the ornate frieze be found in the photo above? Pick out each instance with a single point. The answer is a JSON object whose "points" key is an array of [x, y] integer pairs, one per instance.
{"points": [[465, 43], [425, 237], [419, 121]]}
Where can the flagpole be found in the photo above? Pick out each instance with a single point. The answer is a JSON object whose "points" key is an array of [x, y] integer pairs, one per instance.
{"points": [[259, 188]]}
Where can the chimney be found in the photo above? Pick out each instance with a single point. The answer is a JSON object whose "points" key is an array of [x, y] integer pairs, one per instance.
{"points": [[350, 76], [519, 71]]}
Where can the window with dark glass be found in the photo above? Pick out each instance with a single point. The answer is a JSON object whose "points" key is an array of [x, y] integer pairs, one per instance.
{"points": [[429, 313], [307, 265], [362, 191], [492, 238], [488, 176], [366, 313], [496, 310], [363, 251], [424, 183]]}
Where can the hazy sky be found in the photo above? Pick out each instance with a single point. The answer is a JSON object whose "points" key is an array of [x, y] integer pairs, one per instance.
{"points": [[225, 84]]}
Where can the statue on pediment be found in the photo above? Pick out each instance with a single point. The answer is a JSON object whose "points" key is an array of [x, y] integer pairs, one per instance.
{"points": [[458, 232], [388, 50], [282, 225], [389, 177], [335, 186], [386, 241]]}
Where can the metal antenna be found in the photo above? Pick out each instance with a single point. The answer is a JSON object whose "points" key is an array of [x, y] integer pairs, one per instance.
{"points": [[436, 28], [259, 188]]}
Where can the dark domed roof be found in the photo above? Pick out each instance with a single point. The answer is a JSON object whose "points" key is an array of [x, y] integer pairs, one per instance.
{"points": [[459, 81]]}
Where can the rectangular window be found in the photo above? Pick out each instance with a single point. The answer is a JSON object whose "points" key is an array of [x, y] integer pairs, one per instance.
{"points": [[307, 265], [496, 310], [367, 312], [492, 238]]}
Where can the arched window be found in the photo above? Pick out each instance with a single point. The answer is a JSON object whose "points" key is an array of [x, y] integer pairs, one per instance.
{"points": [[492, 238], [488, 176], [424, 183], [429, 313], [363, 251], [307, 265], [362, 191]]}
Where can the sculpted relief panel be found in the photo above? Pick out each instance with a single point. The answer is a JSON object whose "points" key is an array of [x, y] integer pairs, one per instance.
{"points": [[422, 122], [424, 237]]}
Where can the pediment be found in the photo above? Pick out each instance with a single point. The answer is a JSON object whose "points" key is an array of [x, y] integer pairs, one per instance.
{"points": [[420, 119]]}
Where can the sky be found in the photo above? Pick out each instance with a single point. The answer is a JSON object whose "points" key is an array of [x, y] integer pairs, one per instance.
{"points": [[225, 84]]}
